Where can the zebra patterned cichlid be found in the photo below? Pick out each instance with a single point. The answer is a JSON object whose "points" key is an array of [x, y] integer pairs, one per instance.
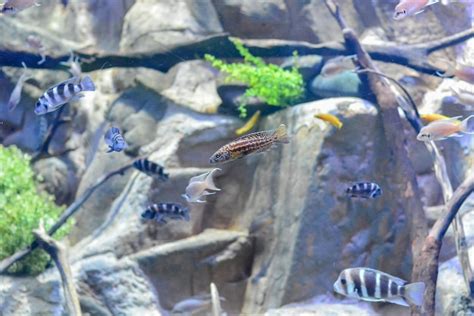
{"points": [[151, 169], [61, 94], [250, 144], [114, 139], [376, 286], [161, 212], [365, 190]]}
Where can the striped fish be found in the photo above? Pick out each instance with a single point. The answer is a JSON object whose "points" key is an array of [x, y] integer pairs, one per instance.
{"points": [[376, 286], [163, 211], [151, 169], [61, 94], [115, 140], [250, 144], [365, 190]]}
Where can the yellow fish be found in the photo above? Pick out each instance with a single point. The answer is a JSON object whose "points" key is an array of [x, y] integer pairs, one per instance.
{"points": [[332, 119], [431, 117], [249, 125]]}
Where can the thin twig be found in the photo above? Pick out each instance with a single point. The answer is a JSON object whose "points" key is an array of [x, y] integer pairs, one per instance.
{"points": [[58, 252], [70, 211]]}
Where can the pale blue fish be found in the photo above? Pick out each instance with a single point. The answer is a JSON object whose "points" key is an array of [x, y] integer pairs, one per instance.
{"points": [[114, 139]]}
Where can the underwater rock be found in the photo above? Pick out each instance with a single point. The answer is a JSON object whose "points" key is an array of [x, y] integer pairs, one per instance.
{"points": [[309, 66], [193, 85], [155, 25], [450, 288], [345, 84], [232, 95], [57, 179]]}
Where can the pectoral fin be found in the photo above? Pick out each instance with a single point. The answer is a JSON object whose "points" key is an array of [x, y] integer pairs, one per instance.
{"points": [[398, 300]]}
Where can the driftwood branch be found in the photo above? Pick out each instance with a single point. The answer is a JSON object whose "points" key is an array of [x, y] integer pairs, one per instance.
{"points": [[426, 267], [70, 211], [58, 252], [412, 56]]}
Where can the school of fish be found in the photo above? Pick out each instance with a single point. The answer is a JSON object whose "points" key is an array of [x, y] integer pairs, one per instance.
{"points": [[361, 282]]}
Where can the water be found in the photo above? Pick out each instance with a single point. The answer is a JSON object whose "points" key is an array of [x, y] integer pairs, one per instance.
{"points": [[276, 228]]}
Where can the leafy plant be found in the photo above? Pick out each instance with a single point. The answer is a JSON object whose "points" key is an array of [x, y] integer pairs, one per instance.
{"points": [[21, 208], [272, 84]]}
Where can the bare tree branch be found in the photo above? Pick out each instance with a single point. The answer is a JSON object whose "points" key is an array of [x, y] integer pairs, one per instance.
{"points": [[58, 252], [412, 56], [426, 267], [70, 211]]}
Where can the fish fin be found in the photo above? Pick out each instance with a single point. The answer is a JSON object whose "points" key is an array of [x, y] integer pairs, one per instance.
{"points": [[87, 84], [210, 180], [77, 97], [465, 126], [281, 134], [398, 300], [456, 135], [186, 197], [414, 293], [431, 2], [199, 201], [199, 178], [208, 193], [37, 4], [111, 149], [421, 11]]}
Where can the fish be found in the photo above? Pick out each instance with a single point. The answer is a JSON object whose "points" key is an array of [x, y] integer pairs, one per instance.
{"points": [[151, 169], [365, 190], [115, 140], [253, 143], [407, 8], [332, 119], [195, 303], [61, 94], [442, 129], [163, 211], [11, 7], [74, 65], [376, 286], [15, 96], [34, 42], [199, 185], [337, 65], [249, 125], [431, 117], [462, 96]]}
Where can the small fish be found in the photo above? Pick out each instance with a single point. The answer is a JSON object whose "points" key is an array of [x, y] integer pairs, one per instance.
{"points": [[462, 96], [250, 144], [34, 42], [191, 305], [407, 8], [442, 129], [431, 117], [15, 96], [376, 286], [61, 94], [365, 190], [332, 119], [163, 211], [199, 185], [249, 125], [11, 7], [74, 65], [338, 65], [151, 169], [115, 140]]}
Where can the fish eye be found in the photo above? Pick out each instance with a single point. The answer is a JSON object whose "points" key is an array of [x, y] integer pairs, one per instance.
{"points": [[343, 281]]}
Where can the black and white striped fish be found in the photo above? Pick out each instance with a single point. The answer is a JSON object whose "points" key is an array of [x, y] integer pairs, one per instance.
{"points": [[151, 169], [115, 140], [163, 211], [376, 286], [365, 190], [61, 94]]}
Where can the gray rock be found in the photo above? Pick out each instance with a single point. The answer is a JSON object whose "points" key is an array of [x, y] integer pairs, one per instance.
{"points": [[193, 85], [345, 84], [309, 66], [57, 179], [150, 25], [450, 288]]}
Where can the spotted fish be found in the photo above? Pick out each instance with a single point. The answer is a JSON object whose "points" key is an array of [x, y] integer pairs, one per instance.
{"points": [[61, 94], [365, 190], [250, 144], [115, 140], [163, 211], [376, 286], [151, 169]]}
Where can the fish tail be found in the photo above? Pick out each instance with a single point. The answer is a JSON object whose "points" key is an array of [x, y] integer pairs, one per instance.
{"points": [[210, 181], [446, 74], [465, 128], [87, 84], [281, 134], [414, 293]]}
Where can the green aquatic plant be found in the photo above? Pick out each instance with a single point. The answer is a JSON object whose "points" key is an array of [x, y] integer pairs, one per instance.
{"points": [[271, 83], [21, 208]]}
